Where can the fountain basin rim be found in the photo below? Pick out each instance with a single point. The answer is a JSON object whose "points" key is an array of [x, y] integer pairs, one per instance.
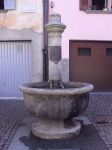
{"points": [[79, 88]]}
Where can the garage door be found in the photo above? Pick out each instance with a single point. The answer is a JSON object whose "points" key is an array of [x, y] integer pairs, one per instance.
{"points": [[15, 67], [91, 61]]}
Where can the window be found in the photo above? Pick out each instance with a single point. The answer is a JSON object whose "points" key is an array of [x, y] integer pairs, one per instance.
{"points": [[7, 4], [1, 4], [98, 4], [109, 51], [105, 5], [84, 51]]}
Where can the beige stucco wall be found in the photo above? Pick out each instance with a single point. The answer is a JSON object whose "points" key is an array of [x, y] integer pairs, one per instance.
{"points": [[19, 19], [18, 25]]}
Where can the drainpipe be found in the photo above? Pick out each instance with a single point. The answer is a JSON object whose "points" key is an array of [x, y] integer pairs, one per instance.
{"points": [[45, 39]]}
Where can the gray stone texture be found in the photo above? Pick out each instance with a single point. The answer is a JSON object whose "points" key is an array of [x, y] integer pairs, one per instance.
{"points": [[11, 114], [99, 104], [55, 71], [55, 129], [65, 69], [55, 28], [89, 139], [104, 125], [55, 54], [56, 105], [13, 111]]}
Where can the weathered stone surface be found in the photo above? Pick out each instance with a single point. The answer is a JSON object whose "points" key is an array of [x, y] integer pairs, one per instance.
{"points": [[51, 129], [65, 66], [55, 28], [56, 105], [55, 54], [98, 106], [55, 70]]}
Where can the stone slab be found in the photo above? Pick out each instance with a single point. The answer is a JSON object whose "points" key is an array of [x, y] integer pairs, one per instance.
{"points": [[88, 139], [55, 53], [48, 129]]}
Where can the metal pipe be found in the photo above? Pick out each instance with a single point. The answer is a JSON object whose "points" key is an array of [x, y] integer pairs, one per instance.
{"points": [[45, 39]]}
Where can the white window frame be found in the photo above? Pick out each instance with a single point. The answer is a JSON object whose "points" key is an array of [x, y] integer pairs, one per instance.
{"points": [[9, 5]]}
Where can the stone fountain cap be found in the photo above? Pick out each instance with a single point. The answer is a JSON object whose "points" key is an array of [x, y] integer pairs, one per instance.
{"points": [[55, 23]]}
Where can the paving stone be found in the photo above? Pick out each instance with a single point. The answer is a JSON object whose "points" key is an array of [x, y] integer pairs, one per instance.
{"points": [[88, 139], [99, 105], [11, 114], [104, 127], [13, 111]]}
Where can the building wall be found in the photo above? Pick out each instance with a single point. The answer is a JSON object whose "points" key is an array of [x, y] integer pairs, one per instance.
{"points": [[26, 23], [81, 25], [93, 66], [23, 16]]}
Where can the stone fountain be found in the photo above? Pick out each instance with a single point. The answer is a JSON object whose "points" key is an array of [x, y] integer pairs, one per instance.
{"points": [[56, 103]]}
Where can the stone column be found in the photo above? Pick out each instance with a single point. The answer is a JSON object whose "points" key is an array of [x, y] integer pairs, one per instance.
{"points": [[55, 29]]}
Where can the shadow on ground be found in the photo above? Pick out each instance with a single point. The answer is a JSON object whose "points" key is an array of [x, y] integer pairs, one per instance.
{"points": [[88, 139]]}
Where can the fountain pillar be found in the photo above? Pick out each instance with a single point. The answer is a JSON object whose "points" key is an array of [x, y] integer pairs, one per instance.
{"points": [[55, 29], [56, 107]]}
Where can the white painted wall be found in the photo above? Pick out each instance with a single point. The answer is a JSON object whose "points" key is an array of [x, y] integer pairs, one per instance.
{"points": [[81, 25]]}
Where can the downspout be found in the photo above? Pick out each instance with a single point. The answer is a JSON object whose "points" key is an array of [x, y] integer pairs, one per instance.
{"points": [[45, 39]]}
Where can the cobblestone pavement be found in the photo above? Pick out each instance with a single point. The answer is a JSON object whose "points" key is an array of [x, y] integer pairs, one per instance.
{"points": [[11, 114], [104, 127], [100, 113], [100, 104], [13, 111]]}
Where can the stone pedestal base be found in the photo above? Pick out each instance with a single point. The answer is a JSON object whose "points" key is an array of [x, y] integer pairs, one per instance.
{"points": [[50, 129]]}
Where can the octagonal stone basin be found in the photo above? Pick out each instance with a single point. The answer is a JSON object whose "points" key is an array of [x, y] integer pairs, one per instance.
{"points": [[56, 108]]}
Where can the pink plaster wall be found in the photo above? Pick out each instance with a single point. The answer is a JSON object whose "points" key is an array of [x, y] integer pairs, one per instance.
{"points": [[81, 25]]}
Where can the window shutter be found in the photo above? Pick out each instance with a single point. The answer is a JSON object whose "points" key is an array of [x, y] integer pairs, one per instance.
{"points": [[84, 4], [9, 4]]}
